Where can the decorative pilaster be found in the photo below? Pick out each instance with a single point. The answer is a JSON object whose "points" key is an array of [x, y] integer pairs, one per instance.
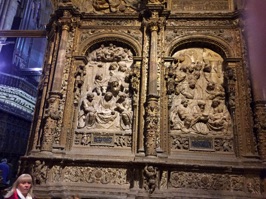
{"points": [[135, 84], [51, 116], [260, 127]]}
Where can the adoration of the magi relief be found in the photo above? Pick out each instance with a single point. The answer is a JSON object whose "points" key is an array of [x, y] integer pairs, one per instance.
{"points": [[105, 101], [197, 94]]}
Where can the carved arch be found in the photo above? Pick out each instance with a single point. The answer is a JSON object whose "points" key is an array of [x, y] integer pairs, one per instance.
{"points": [[90, 44], [216, 44]]}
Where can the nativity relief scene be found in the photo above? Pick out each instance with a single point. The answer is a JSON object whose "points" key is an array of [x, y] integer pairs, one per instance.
{"points": [[104, 101]]}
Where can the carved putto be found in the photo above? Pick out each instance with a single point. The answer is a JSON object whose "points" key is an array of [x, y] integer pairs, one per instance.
{"points": [[150, 178], [195, 84], [106, 96]]}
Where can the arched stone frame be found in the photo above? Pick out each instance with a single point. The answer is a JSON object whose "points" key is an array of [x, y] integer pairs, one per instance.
{"points": [[114, 36], [121, 40], [231, 67]]}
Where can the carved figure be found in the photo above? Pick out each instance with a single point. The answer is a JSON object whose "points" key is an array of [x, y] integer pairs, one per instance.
{"points": [[100, 84], [79, 75], [106, 4], [106, 115], [187, 89], [200, 117], [87, 112], [218, 119], [215, 91], [39, 172], [114, 86], [79, 80], [51, 117], [123, 106], [179, 115], [150, 177]]}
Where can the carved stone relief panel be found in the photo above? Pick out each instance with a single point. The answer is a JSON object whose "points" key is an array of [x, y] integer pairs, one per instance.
{"points": [[200, 5], [198, 115], [225, 182], [105, 113], [103, 7], [111, 176]]}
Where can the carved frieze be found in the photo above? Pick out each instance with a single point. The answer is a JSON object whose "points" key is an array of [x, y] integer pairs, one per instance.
{"points": [[222, 182], [199, 23], [111, 22], [112, 176], [105, 7], [200, 5], [230, 36]]}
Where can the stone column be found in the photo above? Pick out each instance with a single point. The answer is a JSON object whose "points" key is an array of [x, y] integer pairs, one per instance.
{"points": [[255, 32], [152, 108], [61, 58]]}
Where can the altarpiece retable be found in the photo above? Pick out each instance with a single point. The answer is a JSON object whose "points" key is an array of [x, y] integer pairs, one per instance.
{"points": [[146, 99]]}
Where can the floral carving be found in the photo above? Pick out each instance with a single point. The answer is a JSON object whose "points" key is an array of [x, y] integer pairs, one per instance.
{"points": [[96, 175]]}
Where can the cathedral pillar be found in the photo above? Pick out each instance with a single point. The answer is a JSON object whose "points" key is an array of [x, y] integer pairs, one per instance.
{"points": [[255, 32]]}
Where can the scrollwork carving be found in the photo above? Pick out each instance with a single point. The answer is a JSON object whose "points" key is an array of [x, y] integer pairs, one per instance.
{"points": [[114, 176]]}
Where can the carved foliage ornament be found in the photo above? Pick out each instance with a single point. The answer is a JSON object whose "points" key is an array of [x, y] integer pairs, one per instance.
{"points": [[215, 182], [95, 175]]}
